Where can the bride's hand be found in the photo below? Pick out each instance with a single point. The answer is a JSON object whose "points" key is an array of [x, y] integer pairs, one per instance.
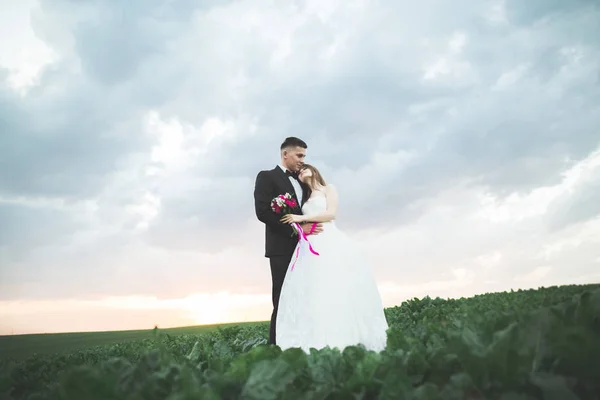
{"points": [[291, 218]]}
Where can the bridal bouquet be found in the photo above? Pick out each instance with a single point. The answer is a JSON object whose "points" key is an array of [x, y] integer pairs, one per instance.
{"points": [[283, 204]]}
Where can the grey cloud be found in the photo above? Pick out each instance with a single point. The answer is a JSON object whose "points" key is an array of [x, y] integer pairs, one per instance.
{"points": [[66, 142], [62, 145], [512, 139], [369, 97], [112, 53], [117, 38], [533, 11], [23, 228], [578, 206], [210, 218]]}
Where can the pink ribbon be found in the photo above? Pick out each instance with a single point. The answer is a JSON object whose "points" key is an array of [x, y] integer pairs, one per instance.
{"points": [[301, 236]]}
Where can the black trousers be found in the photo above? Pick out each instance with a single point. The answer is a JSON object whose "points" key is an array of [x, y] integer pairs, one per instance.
{"points": [[279, 266]]}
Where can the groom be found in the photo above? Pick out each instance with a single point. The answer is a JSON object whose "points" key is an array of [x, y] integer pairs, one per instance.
{"points": [[279, 239]]}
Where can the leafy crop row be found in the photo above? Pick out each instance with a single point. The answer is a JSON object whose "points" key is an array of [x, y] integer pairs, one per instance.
{"points": [[533, 344]]}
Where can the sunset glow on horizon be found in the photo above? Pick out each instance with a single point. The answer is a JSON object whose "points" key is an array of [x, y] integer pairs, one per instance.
{"points": [[139, 312], [129, 313]]}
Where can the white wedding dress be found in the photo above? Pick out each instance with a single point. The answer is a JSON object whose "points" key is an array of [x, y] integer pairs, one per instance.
{"points": [[330, 299]]}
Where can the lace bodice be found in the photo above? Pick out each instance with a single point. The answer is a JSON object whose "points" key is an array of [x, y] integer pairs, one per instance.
{"points": [[315, 205]]}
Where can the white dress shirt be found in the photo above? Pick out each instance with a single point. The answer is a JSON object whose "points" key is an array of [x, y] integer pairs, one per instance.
{"points": [[295, 184]]}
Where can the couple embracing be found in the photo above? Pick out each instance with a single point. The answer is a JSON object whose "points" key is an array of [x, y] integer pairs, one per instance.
{"points": [[324, 293]]}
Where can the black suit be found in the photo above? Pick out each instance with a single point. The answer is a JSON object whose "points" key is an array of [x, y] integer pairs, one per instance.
{"points": [[279, 239]]}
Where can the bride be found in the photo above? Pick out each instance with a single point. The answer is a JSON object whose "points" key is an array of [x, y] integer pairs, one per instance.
{"points": [[329, 299]]}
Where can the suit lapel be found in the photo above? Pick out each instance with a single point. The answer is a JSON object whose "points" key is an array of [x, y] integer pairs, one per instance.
{"points": [[285, 181]]}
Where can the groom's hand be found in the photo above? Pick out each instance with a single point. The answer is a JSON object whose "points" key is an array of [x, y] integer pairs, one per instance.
{"points": [[307, 226]]}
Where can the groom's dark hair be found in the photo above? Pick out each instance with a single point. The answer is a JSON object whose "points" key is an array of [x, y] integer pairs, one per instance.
{"points": [[293, 141]]}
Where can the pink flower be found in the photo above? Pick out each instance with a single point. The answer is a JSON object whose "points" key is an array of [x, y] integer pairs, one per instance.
{"points": [[284, 203]]}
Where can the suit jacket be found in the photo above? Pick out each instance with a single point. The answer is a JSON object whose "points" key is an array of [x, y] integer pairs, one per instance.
{"points": [[279, 237]]}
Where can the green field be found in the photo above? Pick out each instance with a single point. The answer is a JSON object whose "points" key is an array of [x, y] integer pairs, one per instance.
{"points": [[19, 347], [526, 344]]}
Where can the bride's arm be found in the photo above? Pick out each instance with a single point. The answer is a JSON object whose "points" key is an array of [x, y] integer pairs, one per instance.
{"points": [[329, 214]]}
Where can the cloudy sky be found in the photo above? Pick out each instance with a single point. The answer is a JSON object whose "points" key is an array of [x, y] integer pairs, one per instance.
{"points": [[463, 137]]}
